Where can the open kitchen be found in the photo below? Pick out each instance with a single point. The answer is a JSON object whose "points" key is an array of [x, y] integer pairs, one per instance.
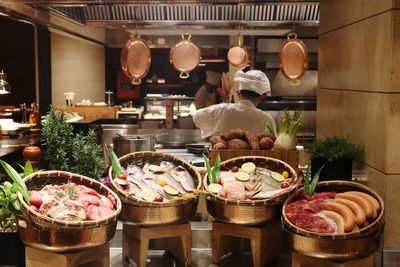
{"points": [[199, 133]]}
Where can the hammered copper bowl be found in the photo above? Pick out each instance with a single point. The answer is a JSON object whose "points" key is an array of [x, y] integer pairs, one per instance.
{"points": [[144, 213], [248, 212], [341, 246], [43, 232]]}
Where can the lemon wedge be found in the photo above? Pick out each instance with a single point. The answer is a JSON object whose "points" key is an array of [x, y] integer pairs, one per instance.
{"points": [[154, 168], [277, 176], [248, 167], [148, 195], [242, 176], [214, 188], [170, 190]]}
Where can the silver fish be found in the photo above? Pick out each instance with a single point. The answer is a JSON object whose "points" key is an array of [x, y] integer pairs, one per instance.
{"points": [[172, 182], [185, 179]]}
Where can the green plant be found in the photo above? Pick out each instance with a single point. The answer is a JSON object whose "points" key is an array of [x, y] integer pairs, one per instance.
{"points": [[68, 152], [331, 148], [9, 203], [28, 169]]}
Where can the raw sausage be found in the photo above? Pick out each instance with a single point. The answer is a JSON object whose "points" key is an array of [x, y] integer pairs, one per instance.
{"points": [[369, 210], [357, 210], [347, 214], [373, 200], [337, 218]]}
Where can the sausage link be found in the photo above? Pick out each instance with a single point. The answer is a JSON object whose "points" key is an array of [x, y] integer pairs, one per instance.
{"points": [[369, 210], [337, 218], [373, 200], [357, 210], [347, 214]]}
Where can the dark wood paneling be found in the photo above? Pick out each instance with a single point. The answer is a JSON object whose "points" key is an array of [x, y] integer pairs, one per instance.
{"points": [[17, 58], [44, 63]]}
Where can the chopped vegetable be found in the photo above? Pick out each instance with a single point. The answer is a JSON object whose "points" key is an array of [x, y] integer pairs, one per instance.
{"points": [[288, 127]]}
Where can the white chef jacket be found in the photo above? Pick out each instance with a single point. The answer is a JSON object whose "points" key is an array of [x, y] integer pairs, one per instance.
{"points": [[227, 116]]}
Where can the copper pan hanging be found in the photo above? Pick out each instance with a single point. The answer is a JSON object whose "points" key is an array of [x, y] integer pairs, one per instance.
{"points": [[135, 58], [293, 58], [185, 56], [238, 56]]}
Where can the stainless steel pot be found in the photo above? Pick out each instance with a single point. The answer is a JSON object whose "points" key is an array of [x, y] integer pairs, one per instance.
{"points": [[125, 144]]}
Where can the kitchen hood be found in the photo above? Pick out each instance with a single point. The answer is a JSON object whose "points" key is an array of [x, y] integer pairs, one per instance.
{"points": [[205, 17]]}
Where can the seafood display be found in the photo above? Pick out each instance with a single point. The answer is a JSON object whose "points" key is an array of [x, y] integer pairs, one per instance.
{"points": [[251, 182], [159, 183], [72, 202], [333, 212]]}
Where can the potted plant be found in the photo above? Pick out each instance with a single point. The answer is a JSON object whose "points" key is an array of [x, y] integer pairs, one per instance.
{"points": [[337, 154], [11, 247]]}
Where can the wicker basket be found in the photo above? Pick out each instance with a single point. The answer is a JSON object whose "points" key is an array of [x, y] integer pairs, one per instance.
{"points": [[43, 232], [38, 180], [248, 212], [145, 213], [337, 186]]}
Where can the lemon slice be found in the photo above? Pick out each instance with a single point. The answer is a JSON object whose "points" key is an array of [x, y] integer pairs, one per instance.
{"points": [[248, 167], [214, 188], [242, 176], [277, 176], [170, 190], [154, 168], [176, 177], [148, 195]]}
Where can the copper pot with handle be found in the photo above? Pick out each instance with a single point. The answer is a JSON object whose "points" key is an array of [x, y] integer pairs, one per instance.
{"points": [[135, 58], [293, 59], [185, 56], [238, 56]]}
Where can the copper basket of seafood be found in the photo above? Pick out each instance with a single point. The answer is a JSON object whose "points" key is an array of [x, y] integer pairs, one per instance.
{"points": [[249, 189], [341, 220], [156, 189], [67, 212]]}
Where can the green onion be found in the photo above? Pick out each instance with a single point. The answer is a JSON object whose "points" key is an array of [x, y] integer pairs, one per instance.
{"points": [[116, 165]]}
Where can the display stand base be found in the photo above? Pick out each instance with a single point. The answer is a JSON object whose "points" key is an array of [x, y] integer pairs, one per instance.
{"points": [[92, 257], [265, 241], [135, 241], [299, 260]]}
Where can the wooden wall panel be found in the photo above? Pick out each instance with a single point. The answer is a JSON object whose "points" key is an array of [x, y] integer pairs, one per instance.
{"points": [[395, 79], [358, 57], [77, 66], [338, 13], [358, 116], [393, 136], [392, 213]]}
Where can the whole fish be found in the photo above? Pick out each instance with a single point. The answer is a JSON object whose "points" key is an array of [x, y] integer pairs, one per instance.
{"points": [[185, 179]]}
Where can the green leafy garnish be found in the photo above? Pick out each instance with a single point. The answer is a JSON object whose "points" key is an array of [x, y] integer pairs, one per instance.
{"points": [[212, 173], [60, 193], [71, 191], [268, 128], [115, 164], [309, 186], [18, 182]]}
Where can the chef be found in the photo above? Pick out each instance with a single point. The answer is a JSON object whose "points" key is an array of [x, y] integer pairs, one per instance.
{"points": [[206, 95], [252, 89]]}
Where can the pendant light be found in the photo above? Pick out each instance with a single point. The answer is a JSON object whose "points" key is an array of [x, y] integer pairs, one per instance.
{"points": [[4, 85]]}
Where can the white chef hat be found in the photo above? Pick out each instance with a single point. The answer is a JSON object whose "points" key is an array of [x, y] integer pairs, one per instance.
{"points": [[213, 77], [253, 80]]}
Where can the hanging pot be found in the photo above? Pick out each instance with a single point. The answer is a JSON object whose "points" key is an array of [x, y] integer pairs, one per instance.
{"points": [[185, 56], [135, 58], [294, 58], [238, 56]]}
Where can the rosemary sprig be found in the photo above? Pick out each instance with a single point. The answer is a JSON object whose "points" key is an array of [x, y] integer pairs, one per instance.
{"points": [[60, 193], [71, 192]]}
